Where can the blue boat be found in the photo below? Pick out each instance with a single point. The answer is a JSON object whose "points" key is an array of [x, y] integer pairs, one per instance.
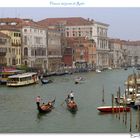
{"points": [[46, 81]]}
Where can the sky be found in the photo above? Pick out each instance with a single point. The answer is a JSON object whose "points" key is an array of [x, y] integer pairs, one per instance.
{"points": [[124, 23]]}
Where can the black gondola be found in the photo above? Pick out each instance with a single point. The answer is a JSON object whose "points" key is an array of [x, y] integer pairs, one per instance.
{"points": [[45, 108]]}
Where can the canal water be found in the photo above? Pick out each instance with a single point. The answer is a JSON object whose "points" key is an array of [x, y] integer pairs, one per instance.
{"points": [[19, 114]]}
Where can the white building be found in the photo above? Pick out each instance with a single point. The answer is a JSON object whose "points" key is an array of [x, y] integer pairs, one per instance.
{"points": [[99, 34]]}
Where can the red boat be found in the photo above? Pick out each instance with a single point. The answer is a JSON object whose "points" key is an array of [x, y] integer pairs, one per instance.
{"points": [[113, 109]]}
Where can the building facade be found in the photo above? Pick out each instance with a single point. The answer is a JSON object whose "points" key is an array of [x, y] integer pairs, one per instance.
{"points": [[79, 27], [99, 35], [132, 52], [15, 37], [80, 53], [54, 50], [28, 41], [34, 46], [5, 50], [116, 53]]}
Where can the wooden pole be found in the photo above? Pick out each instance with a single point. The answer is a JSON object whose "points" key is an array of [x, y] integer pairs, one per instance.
{"points": [[119, 101], [130, 130], [123, 109], [103, 100], [112, 103], [125, 117], [124, 105], [137, 119]]}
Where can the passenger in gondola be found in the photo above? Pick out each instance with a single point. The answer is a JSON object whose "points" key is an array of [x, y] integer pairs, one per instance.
{"points": [[38, 100], [49, 103]]}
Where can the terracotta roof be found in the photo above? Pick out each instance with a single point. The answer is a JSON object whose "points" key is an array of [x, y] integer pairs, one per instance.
{"points": [[72, 21], [28, 22], [100, 23], [4, 35], [125, 42], [9, 20], [19, 23], [8, 27]]}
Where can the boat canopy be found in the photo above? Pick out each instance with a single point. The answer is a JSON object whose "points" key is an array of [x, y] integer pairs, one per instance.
{"points": [[22, 75]]}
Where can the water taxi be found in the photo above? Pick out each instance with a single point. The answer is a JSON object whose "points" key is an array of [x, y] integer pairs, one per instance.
{"points": [[22, 79]]}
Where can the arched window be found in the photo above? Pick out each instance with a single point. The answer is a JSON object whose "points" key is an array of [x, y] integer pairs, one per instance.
{"points": [[25, 63], [25, 51]]}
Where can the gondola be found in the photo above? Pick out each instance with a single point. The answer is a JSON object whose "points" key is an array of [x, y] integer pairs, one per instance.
{"points": [[45, 108], [79, 80], [45, 81], [71, 105]]}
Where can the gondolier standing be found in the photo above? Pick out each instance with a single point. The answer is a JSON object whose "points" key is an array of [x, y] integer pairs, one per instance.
{"points": [[38, 100], [71, 95]]}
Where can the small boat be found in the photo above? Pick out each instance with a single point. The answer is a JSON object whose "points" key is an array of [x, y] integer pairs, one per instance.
{"points": [[71, 105], [113, 109], [98, 71], [79, 80], [109, 68], [60, 73], [45, 81], [45, 108], [125, 68]]}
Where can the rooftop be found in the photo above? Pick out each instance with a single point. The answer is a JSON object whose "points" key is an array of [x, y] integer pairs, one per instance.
{"points": [[17, 23], [71, 21]]}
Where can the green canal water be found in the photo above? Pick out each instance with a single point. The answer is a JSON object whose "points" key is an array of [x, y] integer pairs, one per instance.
{"points": [[19, 114]]}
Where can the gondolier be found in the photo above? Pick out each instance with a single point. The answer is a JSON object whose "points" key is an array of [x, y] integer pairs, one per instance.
{"points": [[71, 95], [38, 100]]}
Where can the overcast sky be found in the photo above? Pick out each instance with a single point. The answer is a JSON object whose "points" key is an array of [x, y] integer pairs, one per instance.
{"points": [[124, 22]]}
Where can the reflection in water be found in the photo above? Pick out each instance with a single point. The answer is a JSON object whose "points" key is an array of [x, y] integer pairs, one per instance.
{"points": [[40, 115], [73, 113]]}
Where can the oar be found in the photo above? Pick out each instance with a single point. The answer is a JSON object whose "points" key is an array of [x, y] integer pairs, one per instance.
{"points": [[63, 102]]}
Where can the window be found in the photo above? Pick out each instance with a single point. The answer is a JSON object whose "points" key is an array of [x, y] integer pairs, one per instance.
{"points": [[25, 51], [25, 40], [25, 30], [79, 33], [67, 34], [38, 40], [2, 23], [13, 23]]}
